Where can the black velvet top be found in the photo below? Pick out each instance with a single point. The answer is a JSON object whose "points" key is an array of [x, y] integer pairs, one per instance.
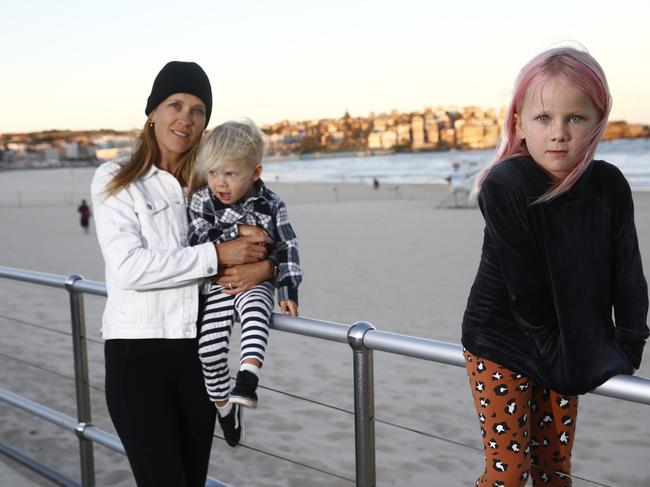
{"points": [[560, 294]]}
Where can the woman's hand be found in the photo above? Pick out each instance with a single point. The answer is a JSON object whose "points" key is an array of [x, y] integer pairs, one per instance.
{"points": [[242, 277], [251, 231], [242, 250], [289, 307]]}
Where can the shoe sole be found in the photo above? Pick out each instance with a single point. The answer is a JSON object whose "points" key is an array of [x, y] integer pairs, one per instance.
{"points": [[244, 401], [241, 426]]}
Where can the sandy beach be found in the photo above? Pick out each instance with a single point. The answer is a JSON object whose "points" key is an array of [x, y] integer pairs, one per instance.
{"points": [[386, 256]]}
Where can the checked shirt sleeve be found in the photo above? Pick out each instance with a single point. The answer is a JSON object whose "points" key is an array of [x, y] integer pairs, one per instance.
{"points": [[289, 274]]}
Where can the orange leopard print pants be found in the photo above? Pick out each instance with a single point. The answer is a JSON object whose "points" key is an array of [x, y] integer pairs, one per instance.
{"points": [[527, 429]]}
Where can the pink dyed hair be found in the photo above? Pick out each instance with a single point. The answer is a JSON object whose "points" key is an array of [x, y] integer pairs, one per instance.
{"points": [[579, 69]]}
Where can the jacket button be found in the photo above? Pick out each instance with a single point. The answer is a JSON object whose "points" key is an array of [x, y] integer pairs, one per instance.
{"points": [[210, 270]]}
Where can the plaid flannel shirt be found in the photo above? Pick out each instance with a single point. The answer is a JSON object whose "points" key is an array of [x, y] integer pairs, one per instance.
{"points": [[213, 221]]}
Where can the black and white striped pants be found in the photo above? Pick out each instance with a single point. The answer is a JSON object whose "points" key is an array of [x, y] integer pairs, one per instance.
{"points": [[254, 308]]}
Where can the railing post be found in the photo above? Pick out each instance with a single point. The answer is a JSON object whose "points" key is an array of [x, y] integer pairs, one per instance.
{"points": [[82, 382], [364, 405]]}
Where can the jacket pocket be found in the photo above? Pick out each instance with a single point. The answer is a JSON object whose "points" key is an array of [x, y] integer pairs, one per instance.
{"points": [[155, 221], [149, 206]]}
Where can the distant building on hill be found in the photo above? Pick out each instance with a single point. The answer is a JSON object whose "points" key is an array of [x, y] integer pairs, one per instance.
{"points": [[622, 130], [438, 128]]}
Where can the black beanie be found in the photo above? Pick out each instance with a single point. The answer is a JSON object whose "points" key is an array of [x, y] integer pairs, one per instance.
{"points": [[181, 77]]}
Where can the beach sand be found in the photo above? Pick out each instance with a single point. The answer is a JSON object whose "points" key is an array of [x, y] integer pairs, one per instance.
{"points": [[390, 257]]}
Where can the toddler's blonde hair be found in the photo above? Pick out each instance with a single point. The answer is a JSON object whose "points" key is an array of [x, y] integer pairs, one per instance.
{"points": [[236, 143]]}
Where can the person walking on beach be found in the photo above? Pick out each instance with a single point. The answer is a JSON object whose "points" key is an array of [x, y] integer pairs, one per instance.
{"points": [[154, 385], [84, 219], [560, 252], [228, 200]]}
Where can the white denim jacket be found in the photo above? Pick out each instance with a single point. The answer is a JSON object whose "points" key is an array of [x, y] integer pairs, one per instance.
{"points": [[152, 276]]}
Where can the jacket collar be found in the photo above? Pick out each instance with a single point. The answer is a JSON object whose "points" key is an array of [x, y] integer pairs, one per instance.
{"points": [[153, 169]]}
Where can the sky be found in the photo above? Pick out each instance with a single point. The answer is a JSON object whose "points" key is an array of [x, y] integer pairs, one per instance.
{"points": [[83, 65]]}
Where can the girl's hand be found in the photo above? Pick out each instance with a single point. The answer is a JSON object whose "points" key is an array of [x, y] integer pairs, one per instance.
{"points": [[242, 250], [288, 307], [251, 231], [242, 277]]}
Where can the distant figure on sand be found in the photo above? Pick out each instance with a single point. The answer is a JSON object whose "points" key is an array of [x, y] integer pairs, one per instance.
{"points": [[375, 183], [84, 219], [560, 253], [154, 386], [228, 200]]}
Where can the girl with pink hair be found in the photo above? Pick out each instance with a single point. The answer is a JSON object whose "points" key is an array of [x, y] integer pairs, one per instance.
{"points": [[559, 303]]}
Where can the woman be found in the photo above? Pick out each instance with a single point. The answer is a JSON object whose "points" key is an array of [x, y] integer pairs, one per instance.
{"points": [[154, 384]]}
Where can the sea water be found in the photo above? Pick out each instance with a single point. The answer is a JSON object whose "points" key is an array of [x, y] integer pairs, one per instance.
{"points": [[632, 156]]}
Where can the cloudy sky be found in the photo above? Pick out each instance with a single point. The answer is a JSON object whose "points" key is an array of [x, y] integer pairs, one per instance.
{"points": [[89, 65]]}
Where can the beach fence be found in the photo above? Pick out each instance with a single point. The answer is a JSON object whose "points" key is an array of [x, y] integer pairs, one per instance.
{"points": [[361, 337], [40, 199]]}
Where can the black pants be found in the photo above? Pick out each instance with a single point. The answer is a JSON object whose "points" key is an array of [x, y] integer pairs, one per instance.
{"points": [[158, 404]]}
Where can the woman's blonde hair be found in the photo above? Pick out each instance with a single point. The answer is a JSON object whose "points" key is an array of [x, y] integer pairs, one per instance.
{"points": [[239, 143], [145, 155]]}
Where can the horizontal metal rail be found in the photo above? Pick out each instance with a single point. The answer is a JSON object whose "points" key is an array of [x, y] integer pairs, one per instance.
{"points": [[52, 280], [68, 423], [625, 387], [43, 470], [363, 339]]}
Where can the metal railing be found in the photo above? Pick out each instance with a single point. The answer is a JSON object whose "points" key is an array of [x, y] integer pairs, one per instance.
{"points": [[362, 337]]}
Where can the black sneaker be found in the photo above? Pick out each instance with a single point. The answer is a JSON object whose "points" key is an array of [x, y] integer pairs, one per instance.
{"points": [[233, 426], [244, 391]]}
